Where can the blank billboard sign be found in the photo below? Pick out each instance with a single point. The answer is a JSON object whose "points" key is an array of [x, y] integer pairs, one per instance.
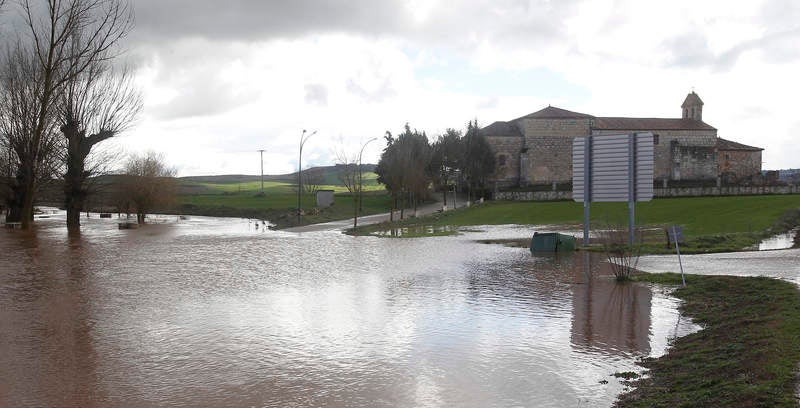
{"points": [[613, 162]]}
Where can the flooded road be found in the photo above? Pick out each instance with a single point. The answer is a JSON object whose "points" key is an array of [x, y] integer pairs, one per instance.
{"points": [[214, 312]]}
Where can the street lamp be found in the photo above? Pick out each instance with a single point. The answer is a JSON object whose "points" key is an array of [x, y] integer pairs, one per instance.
{"points": [[360, 180], [262, 170], [303, 139]]}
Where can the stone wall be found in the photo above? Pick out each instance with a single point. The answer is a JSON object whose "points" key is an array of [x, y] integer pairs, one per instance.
{"points": [[549, 143], [658, 192], [509, 147], [739, 164], [684, 162]]}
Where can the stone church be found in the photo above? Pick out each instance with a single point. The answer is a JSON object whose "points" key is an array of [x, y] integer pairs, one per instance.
{"points": [[537, 148]]}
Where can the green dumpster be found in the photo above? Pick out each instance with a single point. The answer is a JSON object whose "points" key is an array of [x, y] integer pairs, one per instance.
{"points": [[552, 242]]}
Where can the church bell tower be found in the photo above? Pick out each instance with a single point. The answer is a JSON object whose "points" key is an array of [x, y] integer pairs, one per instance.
{"points": [[692, 107]]}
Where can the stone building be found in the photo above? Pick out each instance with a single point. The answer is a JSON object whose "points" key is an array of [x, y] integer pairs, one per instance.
{"points": [[737, 162], [537, 148]]}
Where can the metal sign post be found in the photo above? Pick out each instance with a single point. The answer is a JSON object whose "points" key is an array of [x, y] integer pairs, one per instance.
{"points": [[587, 175]]}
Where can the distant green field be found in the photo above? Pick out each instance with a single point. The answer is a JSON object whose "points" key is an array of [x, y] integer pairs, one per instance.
{"points": [[241, 196], [274, 187]]}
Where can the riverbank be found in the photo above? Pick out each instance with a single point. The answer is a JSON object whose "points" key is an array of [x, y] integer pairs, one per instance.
{"points": [[710, 224], [746, 356]]}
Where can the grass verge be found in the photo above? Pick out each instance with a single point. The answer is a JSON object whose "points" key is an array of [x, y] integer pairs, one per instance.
{"points": [[710, 224], [746, 356]]}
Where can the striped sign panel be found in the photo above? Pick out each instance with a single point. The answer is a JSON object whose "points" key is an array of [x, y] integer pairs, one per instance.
{"points": [[615, 160]]}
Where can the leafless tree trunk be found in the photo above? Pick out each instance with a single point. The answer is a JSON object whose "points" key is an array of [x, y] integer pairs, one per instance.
{"points": [[349, 176], [57, 45], [96, 105]]}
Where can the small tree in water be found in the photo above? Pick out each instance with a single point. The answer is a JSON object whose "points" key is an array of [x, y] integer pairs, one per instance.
{"points": [[148, 183], [621, 255]]}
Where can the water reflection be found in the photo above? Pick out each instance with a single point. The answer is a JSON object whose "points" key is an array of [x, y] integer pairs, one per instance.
{"points": [[610, 317], [209, 312]]}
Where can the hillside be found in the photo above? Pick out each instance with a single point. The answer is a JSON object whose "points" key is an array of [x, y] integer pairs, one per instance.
{"points": [[328, 176]]}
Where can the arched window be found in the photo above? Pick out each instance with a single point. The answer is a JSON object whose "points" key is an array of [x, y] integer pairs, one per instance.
{"points": [[501, 160]]}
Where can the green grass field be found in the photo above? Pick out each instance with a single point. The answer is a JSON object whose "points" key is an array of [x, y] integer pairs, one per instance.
{"points": [[710, 224], [698, 215]]}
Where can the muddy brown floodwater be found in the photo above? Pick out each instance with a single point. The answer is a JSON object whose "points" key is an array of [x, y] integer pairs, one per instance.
{"points": [[214, 312]]}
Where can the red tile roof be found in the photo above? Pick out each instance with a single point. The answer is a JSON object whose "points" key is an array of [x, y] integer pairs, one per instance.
{"points": [[501, 129], [551, 112], [650, 124], [723, 144]]}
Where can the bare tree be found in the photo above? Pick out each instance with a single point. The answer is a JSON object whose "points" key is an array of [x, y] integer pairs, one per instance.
{"points": [[348, 174], [96, 105], [621, 255], [147, 184], [312, 179], [62, 39], [28, 132]]}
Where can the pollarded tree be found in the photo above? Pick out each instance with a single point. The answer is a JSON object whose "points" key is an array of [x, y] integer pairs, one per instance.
{"points": [[96, 105], [61, 39], [147, 184]]}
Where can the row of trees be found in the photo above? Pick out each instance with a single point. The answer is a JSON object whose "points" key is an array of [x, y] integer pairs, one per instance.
{"points": [[60, 96], [410, 164]]}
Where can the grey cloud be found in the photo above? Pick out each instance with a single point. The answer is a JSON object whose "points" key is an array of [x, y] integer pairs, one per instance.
{"points": [[519, 22], [690, 49], [257, 20], [780, 43], [316, 94], [201, 95], [377, 94]]}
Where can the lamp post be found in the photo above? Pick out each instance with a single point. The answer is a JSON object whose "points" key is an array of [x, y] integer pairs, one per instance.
{"points": [[303, 140], [360, 180], [262, 170]]}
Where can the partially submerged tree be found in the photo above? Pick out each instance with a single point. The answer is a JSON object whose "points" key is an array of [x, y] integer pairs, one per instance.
{"points": [[96, 105], [404, 167], [147, 184], [61, 40]]}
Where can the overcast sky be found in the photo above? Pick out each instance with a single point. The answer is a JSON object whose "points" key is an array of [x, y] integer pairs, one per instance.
{"points": [[223, 79]]}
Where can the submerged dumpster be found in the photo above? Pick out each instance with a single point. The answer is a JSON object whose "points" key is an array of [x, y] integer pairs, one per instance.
{"points": [[552, 242]]}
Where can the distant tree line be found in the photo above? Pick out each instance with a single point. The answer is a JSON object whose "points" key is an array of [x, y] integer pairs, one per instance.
{"points": [[410, 165]]}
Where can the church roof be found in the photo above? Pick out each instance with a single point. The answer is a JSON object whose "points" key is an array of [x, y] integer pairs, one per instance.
{"points": [[551, 112], [692, 100], [650, 124], [723, 144], [501, 129]]}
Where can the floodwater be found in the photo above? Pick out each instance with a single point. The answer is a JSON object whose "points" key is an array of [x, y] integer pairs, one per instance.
{"points": [[780, 241], [216, 312]]}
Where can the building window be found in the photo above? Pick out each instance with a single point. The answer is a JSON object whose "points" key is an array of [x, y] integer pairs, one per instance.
{"points": [[655, 139], [727, 156], [501, 160]]}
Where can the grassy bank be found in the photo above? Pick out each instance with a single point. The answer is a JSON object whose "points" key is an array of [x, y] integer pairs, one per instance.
{"points": [[710, 224], [746, 355]]}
